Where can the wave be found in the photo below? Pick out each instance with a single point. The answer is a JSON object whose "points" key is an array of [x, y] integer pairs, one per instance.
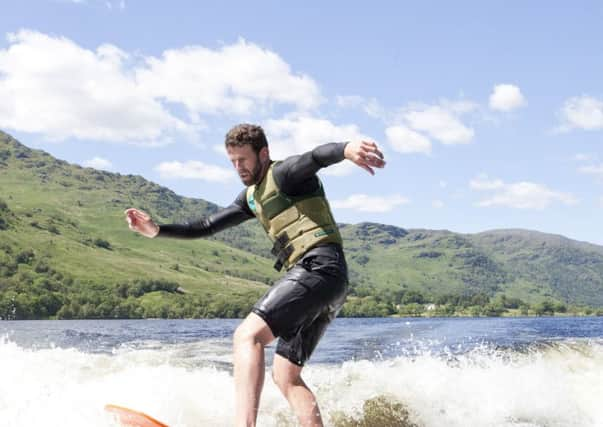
{"points": [[188, 385]]}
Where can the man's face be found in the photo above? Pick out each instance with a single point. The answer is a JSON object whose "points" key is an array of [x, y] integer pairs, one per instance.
{"points": [[248, 164]]}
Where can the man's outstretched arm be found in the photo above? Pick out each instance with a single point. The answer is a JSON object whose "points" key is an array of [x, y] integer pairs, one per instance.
{"points": [[299, 171], [230, 216]]}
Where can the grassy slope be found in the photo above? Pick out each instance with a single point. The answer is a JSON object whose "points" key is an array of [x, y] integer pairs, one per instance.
{"points": [[59, 210]]}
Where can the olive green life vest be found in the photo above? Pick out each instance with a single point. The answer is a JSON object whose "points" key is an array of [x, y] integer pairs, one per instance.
{"points": [[294, 224]]}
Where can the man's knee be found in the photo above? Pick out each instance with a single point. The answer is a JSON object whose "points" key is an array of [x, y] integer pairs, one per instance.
{"points": [[243, 335], [253, 330], [281, 381], [284, 380]]}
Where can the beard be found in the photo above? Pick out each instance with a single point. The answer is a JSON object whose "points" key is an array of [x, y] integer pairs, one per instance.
{"points": [[254, 176]]}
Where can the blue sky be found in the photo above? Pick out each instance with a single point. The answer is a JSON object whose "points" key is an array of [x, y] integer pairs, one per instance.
{"points": [[490, 113]]}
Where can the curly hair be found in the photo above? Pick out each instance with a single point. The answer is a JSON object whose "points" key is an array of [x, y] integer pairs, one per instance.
{"points": [[246, 133]]}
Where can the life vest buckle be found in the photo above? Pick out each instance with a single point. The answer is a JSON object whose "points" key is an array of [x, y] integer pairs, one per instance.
{"points": [[282, 250]]}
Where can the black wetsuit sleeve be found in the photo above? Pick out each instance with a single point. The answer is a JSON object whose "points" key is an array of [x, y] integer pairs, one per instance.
{"points": [[296, 175], [230, 216]]}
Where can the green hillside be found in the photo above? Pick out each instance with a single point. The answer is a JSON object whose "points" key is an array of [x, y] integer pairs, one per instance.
{"points": [[66, 251], [63, 233], [531, 266]]}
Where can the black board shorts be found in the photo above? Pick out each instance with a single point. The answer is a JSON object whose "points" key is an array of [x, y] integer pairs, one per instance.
{"points": [[299, 306]]}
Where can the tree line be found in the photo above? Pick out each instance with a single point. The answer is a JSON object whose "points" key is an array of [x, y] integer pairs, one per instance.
{"points": [[40, 292], [367, 302]]}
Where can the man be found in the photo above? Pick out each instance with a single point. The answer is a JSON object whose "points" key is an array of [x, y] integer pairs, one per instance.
{"points": [[289, 201]]}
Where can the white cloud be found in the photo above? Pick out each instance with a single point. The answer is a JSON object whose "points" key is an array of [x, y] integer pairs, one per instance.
{"points": [[298, 134], [220, 149], [366, 203], [520, 195], [506, 97], [438, 204], [374, 109], [459, 107], [482, 182], [443, 184], [195, 170], [121, 5], [582, 157], [441, 123], [98, 163], [53, 86], [596, 170], [237, 79], [349, 101], [582, 112], [370, 106], [405, 140]]}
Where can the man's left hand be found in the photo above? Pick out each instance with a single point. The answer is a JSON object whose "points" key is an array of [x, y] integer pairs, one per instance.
{"points": [[365, 154]]}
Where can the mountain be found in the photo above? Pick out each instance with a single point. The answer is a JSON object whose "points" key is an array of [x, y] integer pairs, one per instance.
{"points": [[524, 264], [65, 251]]}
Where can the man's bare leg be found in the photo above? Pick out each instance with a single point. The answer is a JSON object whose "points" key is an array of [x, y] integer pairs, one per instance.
{"points": [[287, 377], [249, 340]]}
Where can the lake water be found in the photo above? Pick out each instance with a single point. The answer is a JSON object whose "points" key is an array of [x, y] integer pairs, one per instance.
{"points": [[520, 372]]}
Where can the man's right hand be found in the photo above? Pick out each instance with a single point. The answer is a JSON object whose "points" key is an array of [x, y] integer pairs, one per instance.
{"points": [[141, 222]]}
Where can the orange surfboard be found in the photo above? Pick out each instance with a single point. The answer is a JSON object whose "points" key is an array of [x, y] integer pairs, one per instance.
{"points": [[131, 418]]}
